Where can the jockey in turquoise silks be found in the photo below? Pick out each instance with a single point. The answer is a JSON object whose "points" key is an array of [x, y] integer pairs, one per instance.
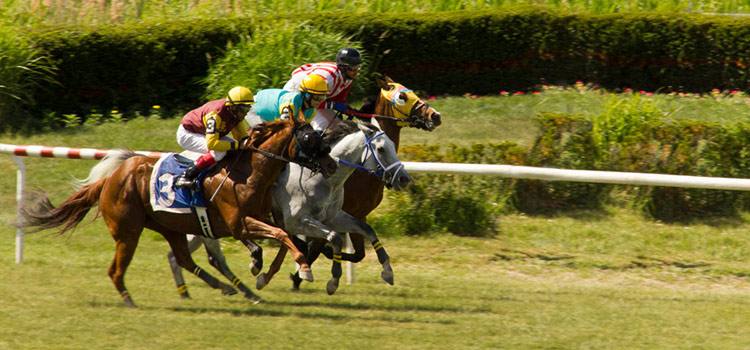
{"points": [[274, 104]]}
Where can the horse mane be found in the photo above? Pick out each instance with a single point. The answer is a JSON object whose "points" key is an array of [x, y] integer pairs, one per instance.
{"points": [[261, 132], [339, 130]]}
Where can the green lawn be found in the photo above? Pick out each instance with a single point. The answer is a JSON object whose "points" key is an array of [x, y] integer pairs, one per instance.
{"points": [[608, 279]]}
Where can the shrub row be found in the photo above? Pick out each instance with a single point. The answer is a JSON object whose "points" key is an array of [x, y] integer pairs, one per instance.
{"points": [[135, 66], [627, 137]]}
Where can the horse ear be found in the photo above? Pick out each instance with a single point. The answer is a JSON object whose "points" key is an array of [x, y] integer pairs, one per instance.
{"points": [[383, 84], [388, 79], [367, 128]]}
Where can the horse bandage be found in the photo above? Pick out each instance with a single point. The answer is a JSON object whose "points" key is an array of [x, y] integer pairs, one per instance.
{"points": [[377, 245], [337, 258]]}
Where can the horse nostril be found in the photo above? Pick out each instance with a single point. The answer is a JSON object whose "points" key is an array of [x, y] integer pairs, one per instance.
{"points": [[436, 119], [404, 180]]}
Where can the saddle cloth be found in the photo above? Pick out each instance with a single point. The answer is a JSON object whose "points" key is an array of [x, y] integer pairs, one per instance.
{"points": [[164, 195]]}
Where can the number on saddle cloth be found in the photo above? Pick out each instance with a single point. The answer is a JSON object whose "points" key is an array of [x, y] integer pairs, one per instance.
{"points": [[165, 196]]}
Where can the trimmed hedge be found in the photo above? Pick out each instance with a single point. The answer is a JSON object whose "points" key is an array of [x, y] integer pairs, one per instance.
{"points": [[133, 67]]}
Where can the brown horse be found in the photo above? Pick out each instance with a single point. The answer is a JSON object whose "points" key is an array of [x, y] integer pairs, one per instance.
{"points": [[362, 192], [240, 208]]}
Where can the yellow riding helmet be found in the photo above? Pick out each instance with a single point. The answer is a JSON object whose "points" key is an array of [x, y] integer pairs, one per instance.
{"points": [[314, 84], [239, 95]]}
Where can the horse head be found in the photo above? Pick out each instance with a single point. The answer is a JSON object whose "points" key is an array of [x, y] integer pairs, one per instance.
{"points": [[402, 103], [375, 152], [305, 146]]}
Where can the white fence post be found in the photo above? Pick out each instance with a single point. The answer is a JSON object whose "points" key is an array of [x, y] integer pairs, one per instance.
{"points": [[20, 182]]}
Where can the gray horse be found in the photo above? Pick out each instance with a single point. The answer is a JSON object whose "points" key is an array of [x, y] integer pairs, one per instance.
{"points": [[310, 205]]}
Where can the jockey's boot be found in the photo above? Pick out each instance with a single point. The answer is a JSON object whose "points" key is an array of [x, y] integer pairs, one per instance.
{"points": [[187, 179]]}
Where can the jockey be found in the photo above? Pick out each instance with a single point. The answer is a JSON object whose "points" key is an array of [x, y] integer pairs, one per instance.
{"points": [[274, 104], [339, 77], [206, 128]]}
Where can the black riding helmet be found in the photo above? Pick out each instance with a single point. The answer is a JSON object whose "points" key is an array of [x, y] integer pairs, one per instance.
{"points": [[347, 58]]}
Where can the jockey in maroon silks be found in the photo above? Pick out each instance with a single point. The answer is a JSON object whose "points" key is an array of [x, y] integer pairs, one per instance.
{"points": [[206, 130], [339, 76]]}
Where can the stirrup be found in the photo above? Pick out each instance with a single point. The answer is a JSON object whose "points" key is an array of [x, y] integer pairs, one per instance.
{"points": [[183, 181]]}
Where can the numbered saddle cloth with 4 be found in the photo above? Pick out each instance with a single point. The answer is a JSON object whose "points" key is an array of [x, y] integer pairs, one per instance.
{"points": [[165, 196]]}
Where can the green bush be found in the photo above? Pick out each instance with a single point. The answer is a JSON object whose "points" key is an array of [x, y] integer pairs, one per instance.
{"points": [[565, 142], [22, 70], [267, 59], [460, 204]]}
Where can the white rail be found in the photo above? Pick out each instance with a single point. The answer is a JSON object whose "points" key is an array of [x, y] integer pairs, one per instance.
{"points": [[509, 171], [605, 177]]}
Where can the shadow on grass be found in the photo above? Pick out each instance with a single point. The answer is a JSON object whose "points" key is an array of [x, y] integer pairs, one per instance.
{"points": [[576, 214], [381, 307], [266, 310]]}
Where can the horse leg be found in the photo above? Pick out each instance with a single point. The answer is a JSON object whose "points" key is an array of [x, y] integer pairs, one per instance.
{"points": [[263, 279], [256, 256], [218, 261], [254, 228], [125, 245], [193, 243], [303, 246], [178, 242], [314, 228], [346, 222]]}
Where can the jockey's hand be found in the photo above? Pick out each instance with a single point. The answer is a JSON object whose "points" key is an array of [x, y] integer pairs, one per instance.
{"points": [[243, 142], [340, 107]]}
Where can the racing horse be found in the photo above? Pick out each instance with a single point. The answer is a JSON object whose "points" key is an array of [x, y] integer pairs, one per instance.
{"points": [[311, 205], [394, 108], [240, 207]]}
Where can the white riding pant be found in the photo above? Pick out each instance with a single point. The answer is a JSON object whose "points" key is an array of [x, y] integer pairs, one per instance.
{"points": [[196, 142]]}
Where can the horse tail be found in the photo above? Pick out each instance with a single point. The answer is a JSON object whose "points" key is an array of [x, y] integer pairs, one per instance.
{"points": [[105, 167], [39, 213]]}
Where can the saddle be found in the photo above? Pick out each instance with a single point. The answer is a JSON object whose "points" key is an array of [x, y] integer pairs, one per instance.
{"points": [[169, 198]]}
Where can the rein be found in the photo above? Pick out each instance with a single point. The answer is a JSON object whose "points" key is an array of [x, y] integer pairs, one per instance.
{"points": [[231, 166], [381, 170]]}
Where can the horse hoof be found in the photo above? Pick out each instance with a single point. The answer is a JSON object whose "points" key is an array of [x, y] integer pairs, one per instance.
{"points": [[129, 303], [387, 276], [306, 275], [332, 285], [296, 281], [261, 282], [228, 290], [255, 267], [254, 299], [185, 295]]}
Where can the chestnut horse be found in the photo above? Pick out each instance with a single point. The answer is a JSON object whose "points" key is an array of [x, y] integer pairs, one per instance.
{"points": [[240, 208], [399, 107]]}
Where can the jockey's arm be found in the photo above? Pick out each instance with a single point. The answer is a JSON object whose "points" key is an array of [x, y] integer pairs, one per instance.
{"points": [[287, 111], [214, 142], [240, 131]]}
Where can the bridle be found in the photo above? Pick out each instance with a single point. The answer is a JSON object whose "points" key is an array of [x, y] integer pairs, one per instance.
{"points": [[381, 171]]}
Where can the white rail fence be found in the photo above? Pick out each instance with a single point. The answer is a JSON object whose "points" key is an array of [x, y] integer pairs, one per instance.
{"points": [[507, 171]]}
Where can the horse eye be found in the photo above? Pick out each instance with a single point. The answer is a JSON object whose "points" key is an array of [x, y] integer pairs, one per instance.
{"points": [[381, 150]]}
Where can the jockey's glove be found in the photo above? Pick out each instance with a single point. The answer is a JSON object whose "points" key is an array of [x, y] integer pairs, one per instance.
{"points": [[340, 107]]}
